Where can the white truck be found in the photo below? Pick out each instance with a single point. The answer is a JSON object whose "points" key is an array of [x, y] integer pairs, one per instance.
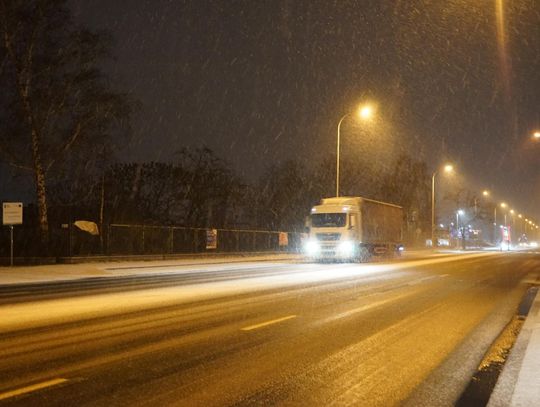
{"points": [[353, 229]]}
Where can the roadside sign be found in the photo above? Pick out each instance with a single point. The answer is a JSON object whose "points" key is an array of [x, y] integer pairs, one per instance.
{"points": [[283, 239], [12, 213], [211, 238]]}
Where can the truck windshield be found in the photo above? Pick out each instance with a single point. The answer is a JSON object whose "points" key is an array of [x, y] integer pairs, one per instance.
{"points": [[328, 220]]}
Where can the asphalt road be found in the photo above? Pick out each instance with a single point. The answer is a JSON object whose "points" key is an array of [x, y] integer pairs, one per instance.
{"points": [[410, 332]]}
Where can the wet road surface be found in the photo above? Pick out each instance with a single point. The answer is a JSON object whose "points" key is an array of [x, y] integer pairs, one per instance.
{"points": [[261, 334]]}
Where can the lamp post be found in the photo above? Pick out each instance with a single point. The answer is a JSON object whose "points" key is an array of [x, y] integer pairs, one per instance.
{"points": [[495, 224], [486, 194], [459, 213], [448, 168], [512, 212], [365, 112], [504, 206]]}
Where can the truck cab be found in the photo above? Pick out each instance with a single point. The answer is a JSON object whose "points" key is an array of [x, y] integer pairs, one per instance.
{"points": [[333, 229]]}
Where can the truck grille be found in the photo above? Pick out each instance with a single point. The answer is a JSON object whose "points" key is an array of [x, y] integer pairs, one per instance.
{"points": [[328, 236]]}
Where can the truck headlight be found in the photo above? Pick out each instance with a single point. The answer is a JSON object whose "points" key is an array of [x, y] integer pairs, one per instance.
{"points": [[346, 248], [311, 247]]}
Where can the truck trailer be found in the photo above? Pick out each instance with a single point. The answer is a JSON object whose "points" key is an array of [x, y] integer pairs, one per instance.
{"points": [[353, 229]]}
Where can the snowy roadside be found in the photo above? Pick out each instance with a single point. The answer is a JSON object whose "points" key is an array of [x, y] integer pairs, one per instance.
{"points": [[65, 272], [519, 382], [140, 266]]}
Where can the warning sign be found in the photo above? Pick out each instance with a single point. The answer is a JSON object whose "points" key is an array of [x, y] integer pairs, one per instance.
{"points": [[283, 239], [12, 213], [211, 238]]}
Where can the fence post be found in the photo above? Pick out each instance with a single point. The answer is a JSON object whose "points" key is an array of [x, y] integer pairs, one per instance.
{"points": [[70, 232], [107, 245], [254, 239], [142, 240], [171, 240]]}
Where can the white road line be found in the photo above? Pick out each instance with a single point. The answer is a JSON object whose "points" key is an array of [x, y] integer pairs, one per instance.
{"points": [[263, 324], [368, 306], [29, 389]]}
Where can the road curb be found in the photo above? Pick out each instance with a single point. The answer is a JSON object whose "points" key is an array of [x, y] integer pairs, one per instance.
{"points": [[519, 382]]}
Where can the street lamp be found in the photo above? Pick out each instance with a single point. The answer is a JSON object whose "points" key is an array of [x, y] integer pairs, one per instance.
{"points": [[504, 206], [459, 213], [512, 212], [536, 135], [448, 168], [365, 112], [486, 194]]}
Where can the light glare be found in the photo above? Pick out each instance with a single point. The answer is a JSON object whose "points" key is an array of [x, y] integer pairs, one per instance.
{"points": [[365, 112]]}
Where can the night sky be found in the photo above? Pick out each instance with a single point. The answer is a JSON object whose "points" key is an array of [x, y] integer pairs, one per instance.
{"points": [[263, 81]]}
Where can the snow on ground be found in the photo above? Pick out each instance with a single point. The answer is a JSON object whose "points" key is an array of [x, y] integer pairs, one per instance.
{"points": [[62, 272]]}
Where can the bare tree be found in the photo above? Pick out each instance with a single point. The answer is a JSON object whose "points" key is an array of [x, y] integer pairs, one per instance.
{"points": [[197, 190], [54, 100]]}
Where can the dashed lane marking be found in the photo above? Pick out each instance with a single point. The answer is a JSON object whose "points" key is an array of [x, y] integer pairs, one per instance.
{"points": [[29, 389], [263, 324]]}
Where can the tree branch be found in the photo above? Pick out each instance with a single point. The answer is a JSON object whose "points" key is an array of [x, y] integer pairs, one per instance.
{"points": [[75, 134]]}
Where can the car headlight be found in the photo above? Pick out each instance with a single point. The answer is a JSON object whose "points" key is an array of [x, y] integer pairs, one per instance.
{"points": [[312, 247], [346, 248]]}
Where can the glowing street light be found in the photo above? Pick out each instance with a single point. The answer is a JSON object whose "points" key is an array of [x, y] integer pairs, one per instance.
{"points": [[536, 135], [448, 168], [485, 192], [365, 112]]}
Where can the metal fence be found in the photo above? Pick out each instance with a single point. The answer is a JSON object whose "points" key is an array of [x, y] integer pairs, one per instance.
{"points": [[119, 239], [144, 239]]}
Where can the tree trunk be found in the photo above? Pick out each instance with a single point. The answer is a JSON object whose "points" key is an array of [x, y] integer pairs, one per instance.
{"points": [[41, 194]]}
